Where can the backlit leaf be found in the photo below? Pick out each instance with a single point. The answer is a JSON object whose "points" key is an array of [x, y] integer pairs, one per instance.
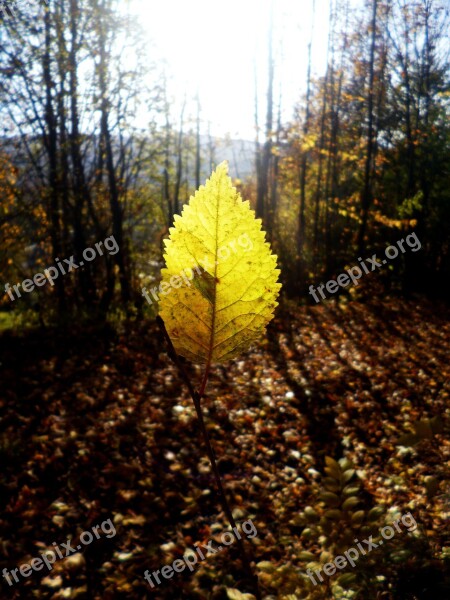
{"points": [[220, 281]]}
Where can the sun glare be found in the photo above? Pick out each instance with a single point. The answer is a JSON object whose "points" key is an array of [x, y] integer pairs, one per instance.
{"points": [[216, 48]]}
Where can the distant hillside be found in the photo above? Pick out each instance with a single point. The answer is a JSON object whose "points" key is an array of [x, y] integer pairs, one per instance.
{"points": [[239, 153]]}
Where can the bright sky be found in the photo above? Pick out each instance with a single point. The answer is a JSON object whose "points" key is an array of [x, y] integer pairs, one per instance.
{"points": [[213, 46]]}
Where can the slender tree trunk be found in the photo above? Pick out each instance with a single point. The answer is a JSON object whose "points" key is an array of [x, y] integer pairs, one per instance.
{"points": [[274, 179], [259, 195], [63, 142], [301, 229], [322, 137], [51, 143], [331, 148], [197, 147], [179, 172], [425, 171], [167, 201], [114, 200], [366, 197], [335, 134], [81, 191], [211, 149], [263, 188]]}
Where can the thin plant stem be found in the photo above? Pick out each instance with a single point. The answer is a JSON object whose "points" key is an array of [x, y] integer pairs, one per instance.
{"points": [[196, 397], [205, 380]]}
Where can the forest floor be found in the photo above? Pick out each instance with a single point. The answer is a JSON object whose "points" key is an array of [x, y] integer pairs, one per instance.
{"points": [[97, 425]]}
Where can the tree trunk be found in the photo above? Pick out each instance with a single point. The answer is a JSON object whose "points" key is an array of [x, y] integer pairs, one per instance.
{"points": [[51, 143], [366, 197], [301, 229]]}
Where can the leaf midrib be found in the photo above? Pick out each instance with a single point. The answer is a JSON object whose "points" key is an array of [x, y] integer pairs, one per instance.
{"points": [[214, 303]]}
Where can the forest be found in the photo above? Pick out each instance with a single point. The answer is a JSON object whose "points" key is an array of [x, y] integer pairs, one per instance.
{"points": [[236, 426]]}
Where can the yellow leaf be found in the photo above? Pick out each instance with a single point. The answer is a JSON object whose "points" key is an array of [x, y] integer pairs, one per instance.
{"points": [[235, 594], [219, 287]]}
